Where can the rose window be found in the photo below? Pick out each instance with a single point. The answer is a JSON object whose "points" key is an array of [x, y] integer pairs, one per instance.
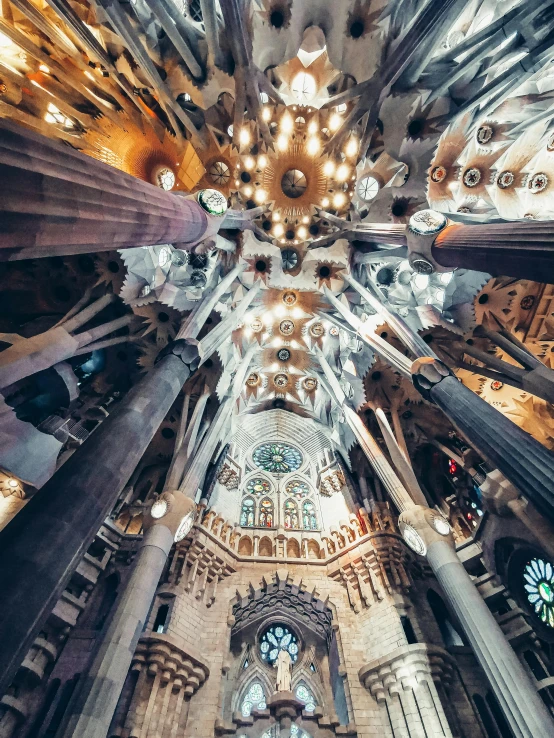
{"points": [[539, 578], [278, 638], [165, 179], [277, 458]]}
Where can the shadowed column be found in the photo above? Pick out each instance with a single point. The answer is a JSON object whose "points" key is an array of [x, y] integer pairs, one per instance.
{"points": [[57, 201]]}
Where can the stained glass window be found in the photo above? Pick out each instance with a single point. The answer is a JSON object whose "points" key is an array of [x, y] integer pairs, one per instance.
{"points": [[254, 699], [305, 695], [297, 489], [247, 512], [309, 519], [277, 638], [539, 578], [291, 514], [258, 486], [277, 458], [266, 513], [296, 732]]}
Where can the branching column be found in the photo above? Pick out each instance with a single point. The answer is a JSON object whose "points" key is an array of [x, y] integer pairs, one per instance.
{"points": [[58, 201]]}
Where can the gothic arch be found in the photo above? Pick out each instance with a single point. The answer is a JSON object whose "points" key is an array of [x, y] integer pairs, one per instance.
{"points": [[245, 546], [293, 549], [265, 547]]}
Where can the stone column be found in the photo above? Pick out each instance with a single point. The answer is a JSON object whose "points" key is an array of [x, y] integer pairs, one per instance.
{"points": [[428, 534], [56, 201], [522, 249], [44, 543], [90, 714], [521, 459]]}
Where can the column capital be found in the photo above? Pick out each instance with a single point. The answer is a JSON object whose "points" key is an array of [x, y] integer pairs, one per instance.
{"points": [[423, 228], [173, 510]]}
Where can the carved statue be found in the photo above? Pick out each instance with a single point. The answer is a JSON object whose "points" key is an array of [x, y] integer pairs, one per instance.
{"points": [[284, 669]]}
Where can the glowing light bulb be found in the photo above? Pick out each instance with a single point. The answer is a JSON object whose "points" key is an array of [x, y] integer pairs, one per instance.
{"points": [[306, 219], [282, 142], [276, 217], [445, 277], [287, 123], [329, 168], [280, 310], [302, 232], [12, 483], [244, 136], [312, 127], [44, 68], [248, 191], [249, 163], [325, 202], [266, 114], [262, 161], [339, 199], [5, 41], [260, 196], [342, 173], [351, 147], [335, 122], [313, 146], [278, 230]]}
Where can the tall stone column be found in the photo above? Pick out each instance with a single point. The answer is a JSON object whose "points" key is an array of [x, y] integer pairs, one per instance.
{"points": [[428, 534], [522, 249], [58, 201], [42, 545], [90, 714], [522, 460]]}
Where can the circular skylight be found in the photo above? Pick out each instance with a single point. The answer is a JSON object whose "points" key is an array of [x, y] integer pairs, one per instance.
{"points": [[368, 187], [303, 87]]}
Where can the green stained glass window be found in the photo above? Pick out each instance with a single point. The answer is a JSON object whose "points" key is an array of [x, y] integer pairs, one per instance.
{"points": [[291, 514], [309, 519], [277, 458], [539, 585], [247, 512], [253, 699], [258, 487], [305, 695]]}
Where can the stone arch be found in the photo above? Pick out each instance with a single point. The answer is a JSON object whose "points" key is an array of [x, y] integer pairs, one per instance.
{"points": [[265, 547], [313, 549], [293, 548], [245, 546]]}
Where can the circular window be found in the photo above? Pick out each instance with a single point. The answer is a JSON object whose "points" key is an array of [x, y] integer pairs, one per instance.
{"points": [[368, 187], [286, 327], [538, 183], [283, 354], [297, 489], [539, 578], [294, 183], [219, 173], [253, 379], [471, 177], [505, 179], [165, 179], [277, 638], [303, 87], [277, 458]]}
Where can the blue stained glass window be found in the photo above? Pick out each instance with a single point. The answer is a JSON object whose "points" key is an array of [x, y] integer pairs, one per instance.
{"points": [[276, 638], [277, 458], [247, 512], [254, 699], [305, 695], [258, 486], [539, 585], [309, 519]]}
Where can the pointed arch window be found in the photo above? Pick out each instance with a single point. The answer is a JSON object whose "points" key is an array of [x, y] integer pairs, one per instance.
{"points": [[309, 518], [248, 512], [305, 695], [266, 513], [254, 699], [291, 518]]}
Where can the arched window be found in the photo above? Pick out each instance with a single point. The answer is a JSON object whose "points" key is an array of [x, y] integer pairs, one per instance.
{"points": [[258, 486], [248, 512], [305, 695], [291, 514], [297, 488], [254, 699], [266, 513], [309, 519], [160, 624]]}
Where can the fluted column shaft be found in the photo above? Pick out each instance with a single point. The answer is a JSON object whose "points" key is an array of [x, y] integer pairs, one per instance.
{"points": [[58, 201], [522, 249], [520, 458], [44, 543], [519, 700]]}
